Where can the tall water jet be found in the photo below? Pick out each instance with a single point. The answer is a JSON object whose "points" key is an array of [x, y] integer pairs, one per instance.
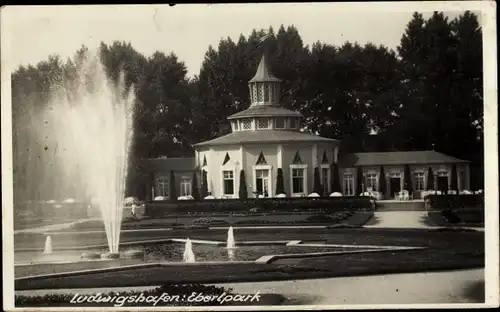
{"points": [[230, 239], [82, 137], [188, 255], [48, 245], [230, 254]]}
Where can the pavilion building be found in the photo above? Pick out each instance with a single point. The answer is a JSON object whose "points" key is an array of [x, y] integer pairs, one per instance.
{"points": [[266, 137]]}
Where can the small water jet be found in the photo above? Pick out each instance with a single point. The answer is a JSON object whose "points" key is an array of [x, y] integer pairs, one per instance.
{"points": [[48, 245], [230, 239], [188, 255]]}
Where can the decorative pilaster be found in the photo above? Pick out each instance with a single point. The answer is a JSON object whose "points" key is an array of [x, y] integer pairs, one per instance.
{"points": [[315, 155], [280, 156]]}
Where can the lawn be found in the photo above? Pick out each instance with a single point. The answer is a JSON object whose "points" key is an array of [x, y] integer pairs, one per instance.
{"points": [[467, 218], [445, 251], [182, 221]]}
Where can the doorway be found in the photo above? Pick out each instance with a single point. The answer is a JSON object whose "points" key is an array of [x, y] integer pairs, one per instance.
{"points": [[262, 182], [349, 185], [395, 184]]}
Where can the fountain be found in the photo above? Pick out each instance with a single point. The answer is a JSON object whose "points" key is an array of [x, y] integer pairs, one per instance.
{"points": [[230, 239], [48, 246], [188, 255], [82, 138]]}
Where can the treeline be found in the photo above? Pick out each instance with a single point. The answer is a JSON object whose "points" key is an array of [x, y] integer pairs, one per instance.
{"points": [[425, 95]]}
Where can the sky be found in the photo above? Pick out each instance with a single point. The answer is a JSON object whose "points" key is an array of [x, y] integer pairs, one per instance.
{"points": [[188, 29]]}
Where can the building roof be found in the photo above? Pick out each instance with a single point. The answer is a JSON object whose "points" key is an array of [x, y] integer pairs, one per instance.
{"points": [[263, 74], [167, 164], [397, 158], [264, 136], [265, 111]]}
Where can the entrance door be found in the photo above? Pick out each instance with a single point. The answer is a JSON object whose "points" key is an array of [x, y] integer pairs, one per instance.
{"points": [[395, 184], [262, 182], [442, 183], [349, 185]]}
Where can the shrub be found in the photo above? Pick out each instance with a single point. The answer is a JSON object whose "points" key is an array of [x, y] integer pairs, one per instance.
{"points": [[280, 185], [130, 219], [450, 216], [454, 202], [382, 182], [407, 179], [336, 179], [452, 229], [196, 191], [327, 204], [210, 221], [90, 224], [204, 185], [174, 289], [243, 192], [320, 218], [317, 182], [173, 190]]}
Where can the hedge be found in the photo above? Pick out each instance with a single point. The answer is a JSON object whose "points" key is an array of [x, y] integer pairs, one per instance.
{"points": [[61, 299], [75, 210], [453, 202], [328, 204]]}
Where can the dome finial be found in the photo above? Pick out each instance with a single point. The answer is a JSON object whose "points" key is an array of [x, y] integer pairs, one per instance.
{"points": [[263, 74]]}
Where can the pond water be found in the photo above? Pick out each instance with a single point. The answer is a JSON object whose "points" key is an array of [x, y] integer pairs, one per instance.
{"points": [[173, 252]]}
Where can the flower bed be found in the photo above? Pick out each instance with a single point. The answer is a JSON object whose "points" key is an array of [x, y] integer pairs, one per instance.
{"points": [[327, 204], [171, 290]]}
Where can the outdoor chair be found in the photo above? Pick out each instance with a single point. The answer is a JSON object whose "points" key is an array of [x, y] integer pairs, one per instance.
{"points": [[405, 195], [398, 196]]}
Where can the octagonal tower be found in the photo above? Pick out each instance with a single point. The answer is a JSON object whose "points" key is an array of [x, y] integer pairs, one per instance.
{"points": [[265, 137]]}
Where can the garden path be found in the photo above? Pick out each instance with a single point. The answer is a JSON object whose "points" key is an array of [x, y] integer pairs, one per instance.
{"points": [[399, 219], [465, 286]]}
